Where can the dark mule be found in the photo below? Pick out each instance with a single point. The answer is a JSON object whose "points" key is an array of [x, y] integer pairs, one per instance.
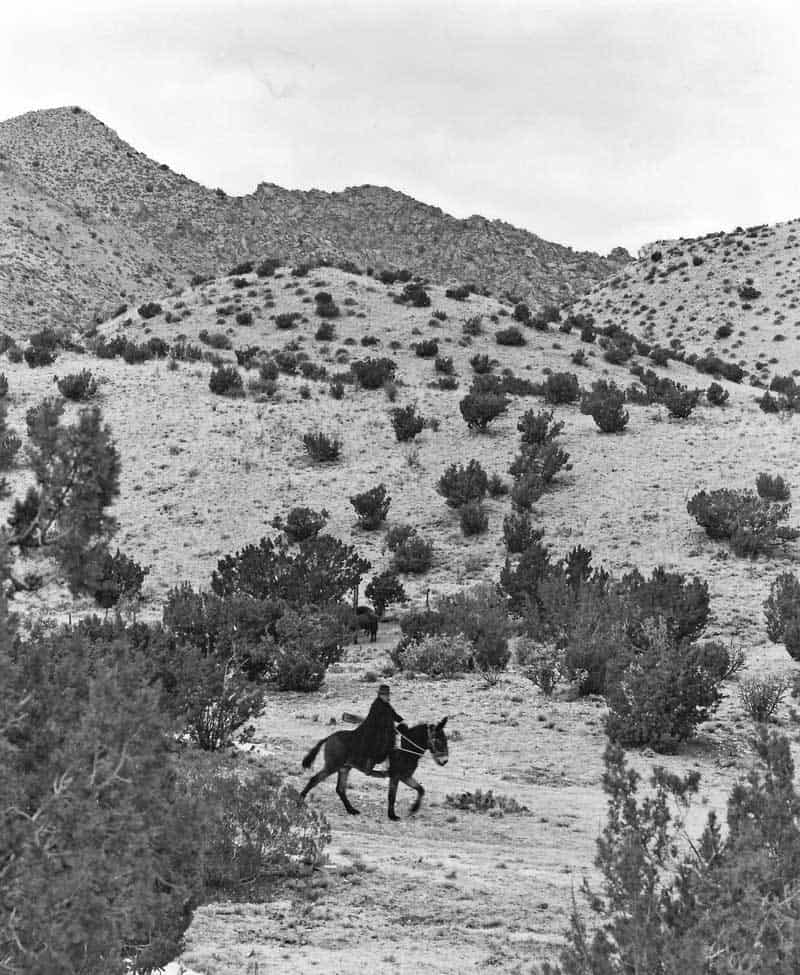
{"points": [[403, 761], [367, 619]]}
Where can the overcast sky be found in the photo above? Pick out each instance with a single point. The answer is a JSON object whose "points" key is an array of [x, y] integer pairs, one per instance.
{"points": [[589, 122]]}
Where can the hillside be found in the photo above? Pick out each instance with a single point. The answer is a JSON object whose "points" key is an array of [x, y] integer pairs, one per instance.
{"points": [[735, 293], [204, 475], [88, 222]]}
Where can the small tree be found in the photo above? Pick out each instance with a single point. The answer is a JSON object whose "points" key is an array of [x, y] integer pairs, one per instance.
{"points": [[480, 408], [407, 423], [460, 485], [371, 507], [383, 589], [606, 405]]}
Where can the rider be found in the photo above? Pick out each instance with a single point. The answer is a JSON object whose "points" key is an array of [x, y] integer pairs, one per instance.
{"points": [[376, 733]]}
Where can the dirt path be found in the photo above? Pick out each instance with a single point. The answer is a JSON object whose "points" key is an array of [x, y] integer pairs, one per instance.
{"points": [[449, 890]]}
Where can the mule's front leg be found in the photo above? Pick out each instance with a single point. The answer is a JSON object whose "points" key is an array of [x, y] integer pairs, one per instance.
{"points": [[341, 791], [412, 783], [314, 780]]}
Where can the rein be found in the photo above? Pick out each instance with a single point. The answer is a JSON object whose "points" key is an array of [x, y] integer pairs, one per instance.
{"points": [[418, 749]]}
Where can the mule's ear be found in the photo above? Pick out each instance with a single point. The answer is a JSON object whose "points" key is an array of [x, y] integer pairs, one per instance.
{"points": [[443, 722]]}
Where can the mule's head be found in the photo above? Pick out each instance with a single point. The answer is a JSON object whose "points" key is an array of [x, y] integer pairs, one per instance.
{"points": [[437, 742]]}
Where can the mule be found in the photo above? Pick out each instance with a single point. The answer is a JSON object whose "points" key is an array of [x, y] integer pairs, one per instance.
{"points": [[366, 619], [403, 761]]}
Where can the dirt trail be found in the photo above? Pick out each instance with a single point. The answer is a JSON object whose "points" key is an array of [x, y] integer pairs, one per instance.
{"points": [[447, 891]]}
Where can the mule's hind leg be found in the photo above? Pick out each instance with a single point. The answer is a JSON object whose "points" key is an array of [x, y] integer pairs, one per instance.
{"points": [[314, 780], [393, 780], [341, 790]]}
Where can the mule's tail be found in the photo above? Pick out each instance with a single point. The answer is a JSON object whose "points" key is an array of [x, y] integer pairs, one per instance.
{"points": [[308, 761]]}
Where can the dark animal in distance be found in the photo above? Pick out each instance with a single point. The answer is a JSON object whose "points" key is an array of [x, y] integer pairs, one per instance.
{"points": [[367, 619], [403, 761]]}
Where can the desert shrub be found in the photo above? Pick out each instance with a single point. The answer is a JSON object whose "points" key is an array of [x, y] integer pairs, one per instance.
{"points": [[748, 293], [322, 448], [527, 490], [479, 409], [682, 604], [39, 355], [772, 488], [473, 518], [544, 461], [497, 487], [413, 555], [479, 802], [538, 428], [77, 469], [326, 307], [373, 373], [509, 336], [243, 267], [336, 389], [561, 387], [256, 831], [415, 294], [149, 309], [397, 534], [771, 404], [541, 663], [267, 267], [319, 571], [186, 352], [657, 696], [519, 533], [301, 523], [437, 655], [445, 382], [305, 645], [714, 365], [472, 327], [716, 395], [117, 577], [480, 615], [247, 357], [751, 524], [287, 320], [680, 402], [522, 313], [10, 443], [3, 385], [407, 423], [481, 363], [216, 340], [459, 293], [782, 606], [371, 507], [606, 405], [78, 385], [312, 370], [459, 485], [426, 349], [520, 580], [226, 381], [244, 318], [444, 365], [384, 589], [762, 696]]}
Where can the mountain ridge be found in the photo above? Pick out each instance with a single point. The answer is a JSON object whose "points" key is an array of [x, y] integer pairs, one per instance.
{"points": [[69, 183]]}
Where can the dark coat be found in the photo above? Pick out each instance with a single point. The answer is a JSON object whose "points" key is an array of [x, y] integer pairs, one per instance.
{"points": [[373, 739]]}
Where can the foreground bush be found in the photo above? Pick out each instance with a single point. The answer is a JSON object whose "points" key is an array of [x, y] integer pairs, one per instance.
{"points": [[413, 554], [407, 423], [117, 577], [226, 381], [658, 695], [373, 373], [480, 408], [78, 386], [727, 905]]}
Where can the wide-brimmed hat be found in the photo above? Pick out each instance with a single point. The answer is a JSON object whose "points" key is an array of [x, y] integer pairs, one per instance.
{"points": [[383, 689]]}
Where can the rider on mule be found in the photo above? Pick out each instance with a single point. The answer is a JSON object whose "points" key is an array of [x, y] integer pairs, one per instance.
{"points": [[374, 738]]}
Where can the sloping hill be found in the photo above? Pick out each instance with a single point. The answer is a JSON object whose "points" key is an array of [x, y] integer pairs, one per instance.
{"points": [[735, 294], [87, 220]]}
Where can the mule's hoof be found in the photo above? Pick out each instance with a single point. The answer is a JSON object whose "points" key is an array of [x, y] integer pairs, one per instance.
{"points": [[354, 812], [394, 817]]}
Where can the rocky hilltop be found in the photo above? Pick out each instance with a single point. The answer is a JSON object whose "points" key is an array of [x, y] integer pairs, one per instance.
{"points": [[88, 222]]}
